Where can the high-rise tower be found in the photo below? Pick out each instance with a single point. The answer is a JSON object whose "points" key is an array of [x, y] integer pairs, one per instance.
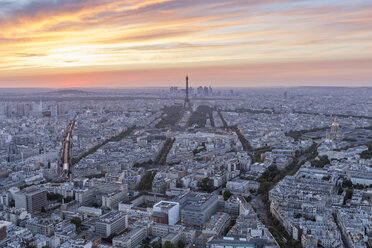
{"points": [[187, 104]]}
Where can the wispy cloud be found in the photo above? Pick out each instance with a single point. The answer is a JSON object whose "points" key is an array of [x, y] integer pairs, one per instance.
{"points": [[54, 34]]}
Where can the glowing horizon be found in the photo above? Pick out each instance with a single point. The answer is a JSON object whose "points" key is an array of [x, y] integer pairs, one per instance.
{"points": [[82, 43]]}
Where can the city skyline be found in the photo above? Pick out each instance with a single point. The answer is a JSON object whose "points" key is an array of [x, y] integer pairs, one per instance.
{"points": [[206, 168], [112, 44]]}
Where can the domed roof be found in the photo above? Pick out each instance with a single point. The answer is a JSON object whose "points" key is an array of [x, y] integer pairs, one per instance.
{"points": [[335, 123]]}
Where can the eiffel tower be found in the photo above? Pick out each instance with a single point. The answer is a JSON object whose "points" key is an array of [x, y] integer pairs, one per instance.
{"points": [[187, 104]]}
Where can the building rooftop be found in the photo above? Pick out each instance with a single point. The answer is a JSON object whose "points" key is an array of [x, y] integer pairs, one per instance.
{"points": [[110, 217], [31, 190], [196, 200], [164, 205]]}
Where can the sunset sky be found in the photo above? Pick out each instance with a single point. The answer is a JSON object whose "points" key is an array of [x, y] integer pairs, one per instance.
{"points": [[102, 43]]}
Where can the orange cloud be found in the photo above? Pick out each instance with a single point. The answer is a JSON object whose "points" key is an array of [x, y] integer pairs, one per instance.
{"points": [[344, 72], [44, 38]]}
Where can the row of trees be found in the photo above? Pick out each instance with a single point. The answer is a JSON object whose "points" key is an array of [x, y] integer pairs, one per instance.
{"points": [[367, 154], [273, 175], [348, 186], [146, 181], [321, 162], [199, 117], [279, 228], [57, 197], [144, 164], [162, 156], [246, 145], [94, 149], [171, 115], [296, 135], [222, 119], [253, 111]]}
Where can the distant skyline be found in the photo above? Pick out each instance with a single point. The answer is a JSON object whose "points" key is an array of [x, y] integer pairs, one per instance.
{"points": [[151, 43]]}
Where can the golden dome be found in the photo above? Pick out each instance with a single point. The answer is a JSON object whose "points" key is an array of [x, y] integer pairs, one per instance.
{"points": [[335, 123]]}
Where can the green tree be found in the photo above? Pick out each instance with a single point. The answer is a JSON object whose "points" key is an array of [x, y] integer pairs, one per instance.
{"points": [[248, 198], [161, 158], [295, 243], [109, 238], [264, 186], [169, 244], [348, 195], [68, 199], [180, 244], [367, 154], [54, 197], [199, 117], [206, 185], [76, 221], [156, 244], [146, 181], [347, 183], [171, 115], [226, 194], [323, 160], [326, 178], [95, 205]]}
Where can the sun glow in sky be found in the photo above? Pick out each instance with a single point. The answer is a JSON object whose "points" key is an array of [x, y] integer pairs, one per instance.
{"points": [[102, 43]]}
